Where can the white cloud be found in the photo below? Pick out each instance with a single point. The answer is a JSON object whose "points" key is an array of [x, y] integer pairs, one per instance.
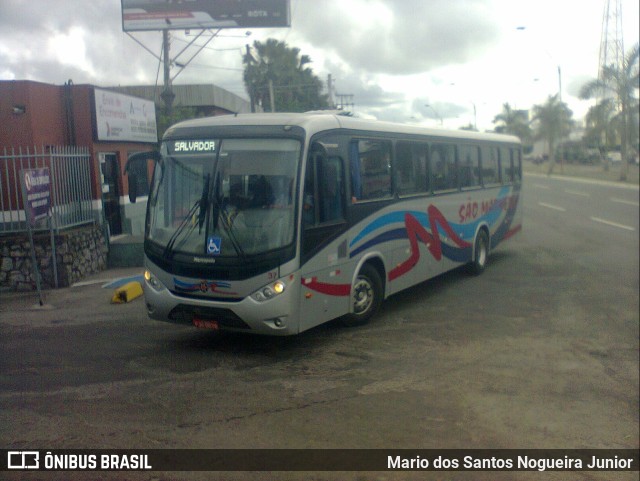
{"points": [[393, 55], [68, 48]]}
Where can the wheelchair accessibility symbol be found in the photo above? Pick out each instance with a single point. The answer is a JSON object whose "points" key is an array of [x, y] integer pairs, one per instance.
{"points": [[213, 245]]}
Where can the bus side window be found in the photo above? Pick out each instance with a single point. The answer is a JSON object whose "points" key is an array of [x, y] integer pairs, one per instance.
{"points": [[490, 166], [370, 162], [331, 190], [469, 166], [443, 167], [506, 162], [323, 191], [517, 164], [411, 168]]}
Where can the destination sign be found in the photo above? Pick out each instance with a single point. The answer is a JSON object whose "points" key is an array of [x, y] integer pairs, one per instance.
{"points": [[192, 146]]}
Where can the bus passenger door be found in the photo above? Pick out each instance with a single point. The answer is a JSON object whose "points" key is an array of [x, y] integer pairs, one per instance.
{"points": [[326, 282]]}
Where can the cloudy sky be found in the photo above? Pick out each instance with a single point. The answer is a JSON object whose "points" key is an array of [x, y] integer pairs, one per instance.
{"points": [[428, 62]]}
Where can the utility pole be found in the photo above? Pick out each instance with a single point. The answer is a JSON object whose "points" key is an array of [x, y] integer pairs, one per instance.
{"points": [[167, 94], [271, 97], [330, 93], [249, 59]]}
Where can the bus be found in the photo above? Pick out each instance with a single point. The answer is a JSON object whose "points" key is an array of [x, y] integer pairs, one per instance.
{"points": [[276, 223]]}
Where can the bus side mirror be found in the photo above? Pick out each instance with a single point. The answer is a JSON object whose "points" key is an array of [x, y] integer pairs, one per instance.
{"points": [[135, 163], [133, 187], [319, 149]]}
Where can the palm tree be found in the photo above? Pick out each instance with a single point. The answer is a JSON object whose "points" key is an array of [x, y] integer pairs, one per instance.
{"points": [[599, 128], [621, 84], [552, 122], [514, 122], [278, 77]]}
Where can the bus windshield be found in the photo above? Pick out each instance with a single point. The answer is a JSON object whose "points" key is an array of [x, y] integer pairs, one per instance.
{"points": [[229, 197]]}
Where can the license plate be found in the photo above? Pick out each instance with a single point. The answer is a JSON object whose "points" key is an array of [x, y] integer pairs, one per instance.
{"points": [[206, 324]]}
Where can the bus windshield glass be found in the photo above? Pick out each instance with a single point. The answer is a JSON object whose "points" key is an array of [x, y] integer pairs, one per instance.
{"points": [[229, 197]]}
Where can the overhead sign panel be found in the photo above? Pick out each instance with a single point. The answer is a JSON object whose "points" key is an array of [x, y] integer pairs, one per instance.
{"points": [[186, 14], [124, 118]]}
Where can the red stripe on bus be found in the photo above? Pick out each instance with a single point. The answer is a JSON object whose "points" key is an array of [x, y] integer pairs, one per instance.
{"points": [[415, 231], [328, 289]]}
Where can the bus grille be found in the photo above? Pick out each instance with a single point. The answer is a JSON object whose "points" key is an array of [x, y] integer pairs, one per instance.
{"points": [[185, 314]]}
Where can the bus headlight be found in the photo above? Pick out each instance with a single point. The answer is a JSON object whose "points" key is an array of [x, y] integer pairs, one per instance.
{"points": [[153, 281], [269, 292]]}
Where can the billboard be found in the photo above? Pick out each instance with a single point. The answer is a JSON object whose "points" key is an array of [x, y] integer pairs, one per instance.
{"points": [[199, 14], [124, 118]]}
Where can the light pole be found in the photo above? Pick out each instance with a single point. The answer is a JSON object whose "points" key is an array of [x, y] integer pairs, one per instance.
{"points": [[435, 112], [522, 28], [475, 116]]}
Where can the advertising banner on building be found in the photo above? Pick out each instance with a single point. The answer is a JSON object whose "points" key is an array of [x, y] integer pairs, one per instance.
{"points": [[163, 15], [36, 199], [124, 118], [37, 191]]}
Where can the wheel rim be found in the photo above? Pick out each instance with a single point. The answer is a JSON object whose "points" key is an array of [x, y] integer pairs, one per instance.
{"points": [[362, 296], [482, 251]]}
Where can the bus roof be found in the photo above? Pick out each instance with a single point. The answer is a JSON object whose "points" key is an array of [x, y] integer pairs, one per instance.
{"points": [[318, 121]]}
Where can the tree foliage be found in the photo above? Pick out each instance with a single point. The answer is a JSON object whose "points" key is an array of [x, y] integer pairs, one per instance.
{"points": [[618, 108], [178, 114], [275, 67], [552, 122], [514, 122]]}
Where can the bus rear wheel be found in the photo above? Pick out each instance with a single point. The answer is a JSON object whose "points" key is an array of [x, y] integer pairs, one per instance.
{"points": [[480, 253], [366, 296]]}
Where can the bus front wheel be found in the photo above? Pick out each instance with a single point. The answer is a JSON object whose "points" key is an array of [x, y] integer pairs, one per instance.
{"points": [[366, 296]]}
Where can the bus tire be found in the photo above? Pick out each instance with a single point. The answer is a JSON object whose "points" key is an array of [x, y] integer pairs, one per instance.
{"points": [[366, 295], [480, 253]]}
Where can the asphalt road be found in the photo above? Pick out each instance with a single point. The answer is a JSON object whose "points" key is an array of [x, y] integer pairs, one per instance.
{"points": [[541, 351]]}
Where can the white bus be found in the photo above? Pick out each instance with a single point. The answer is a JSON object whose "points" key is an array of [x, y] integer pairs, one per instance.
{"points": [[276, 223]]}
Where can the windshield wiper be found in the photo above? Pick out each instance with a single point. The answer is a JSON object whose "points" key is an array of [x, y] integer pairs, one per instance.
{"points": [[188, 220]]}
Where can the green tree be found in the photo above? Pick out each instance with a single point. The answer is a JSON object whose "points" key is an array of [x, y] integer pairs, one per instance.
{"points": [[275, 69], [469, 127], [552, 122], [599, 128], [620, 85], [514, 122], [178, 114]]}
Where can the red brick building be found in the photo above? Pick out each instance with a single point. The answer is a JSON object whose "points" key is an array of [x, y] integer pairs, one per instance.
{"points": [[40, 116], [111, 123]]}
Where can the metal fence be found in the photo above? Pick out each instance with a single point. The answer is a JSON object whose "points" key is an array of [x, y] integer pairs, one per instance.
{"points": [[70, 186]]}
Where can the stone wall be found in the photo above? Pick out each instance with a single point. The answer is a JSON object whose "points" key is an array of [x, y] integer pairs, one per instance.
{"points": [[79, 252]]}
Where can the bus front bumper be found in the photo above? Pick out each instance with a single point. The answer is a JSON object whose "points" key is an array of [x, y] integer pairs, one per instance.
{"points": [[272, 317]]}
